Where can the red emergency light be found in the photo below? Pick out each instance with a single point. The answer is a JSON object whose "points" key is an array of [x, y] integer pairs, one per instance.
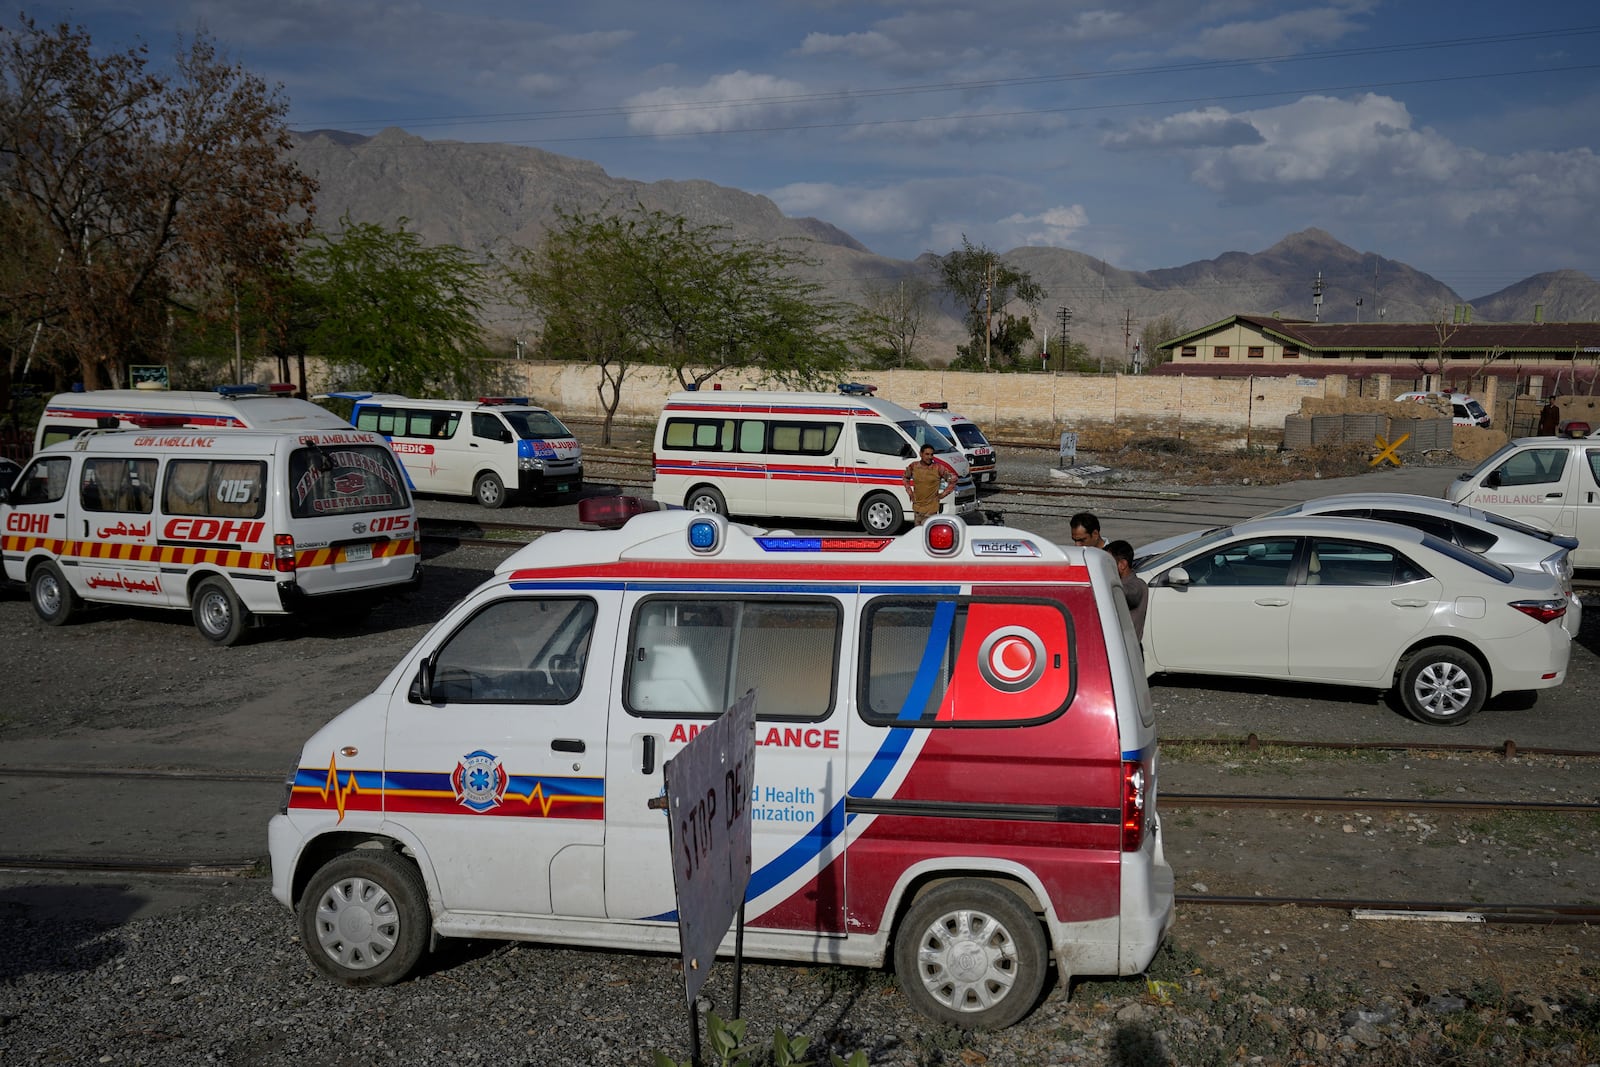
{"points": [[935, 405], [152, 422], [611, 512], [489, 401]]}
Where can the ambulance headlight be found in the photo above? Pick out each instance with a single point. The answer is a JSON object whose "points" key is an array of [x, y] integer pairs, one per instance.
{"points": [[705, 535], [529, 463]]}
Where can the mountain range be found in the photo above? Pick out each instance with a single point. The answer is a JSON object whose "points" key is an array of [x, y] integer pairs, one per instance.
{"points": [[486, 197]]}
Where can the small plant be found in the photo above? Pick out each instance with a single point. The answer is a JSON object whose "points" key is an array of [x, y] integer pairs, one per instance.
{"points": [[727, 1048]]}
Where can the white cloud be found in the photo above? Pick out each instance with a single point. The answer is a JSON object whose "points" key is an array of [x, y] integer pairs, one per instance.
{"points": [[870, 45], [1210, 127], [1053, 226], [737, 101], [1285, 34]]}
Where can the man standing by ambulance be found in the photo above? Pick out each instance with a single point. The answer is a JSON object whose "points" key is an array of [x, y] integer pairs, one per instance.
{"points": [[928, 481]]}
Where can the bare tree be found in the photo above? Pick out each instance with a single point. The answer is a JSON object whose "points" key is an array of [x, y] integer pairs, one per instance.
{"points": [[892, 313], [143, 191]]}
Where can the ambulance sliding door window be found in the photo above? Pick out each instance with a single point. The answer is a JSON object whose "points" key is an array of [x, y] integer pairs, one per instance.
{"points": [[525, 650], [805, 438], [881, 440], [233, 489], [45, 482], [120, 484], [695, 657], [954, 661]]}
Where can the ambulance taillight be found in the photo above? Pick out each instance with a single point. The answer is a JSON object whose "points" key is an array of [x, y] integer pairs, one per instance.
{"points": [[283, 553], [1133, 805]]}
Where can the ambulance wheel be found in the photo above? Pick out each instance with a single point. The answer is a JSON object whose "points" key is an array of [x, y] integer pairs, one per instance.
{"points": [[881, 514], [218, 615], [707, 501], [1442, 686], [489, 490], [970, 954], [53, 599], [364, 918]]}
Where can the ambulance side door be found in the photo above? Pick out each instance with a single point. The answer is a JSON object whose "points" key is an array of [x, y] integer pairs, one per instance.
{"points": [[688, 656], [116, 497], [36, 516], [1534, 484], [497, 769], [1586, 498]]}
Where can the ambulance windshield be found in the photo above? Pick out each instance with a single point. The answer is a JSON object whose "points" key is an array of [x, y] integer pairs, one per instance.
{"points": [[924, 434], [536, 425]]}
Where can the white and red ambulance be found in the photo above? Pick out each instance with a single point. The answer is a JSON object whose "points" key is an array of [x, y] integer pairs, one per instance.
{"points": [[955, 766], [233, 526]]}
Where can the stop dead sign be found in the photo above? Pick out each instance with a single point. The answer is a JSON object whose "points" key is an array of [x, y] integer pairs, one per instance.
{"points": [[708, 809]]}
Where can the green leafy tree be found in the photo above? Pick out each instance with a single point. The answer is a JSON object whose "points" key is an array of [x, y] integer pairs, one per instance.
{"points": [[984, 286], [134, 192], [391, 313], [642, 286]]}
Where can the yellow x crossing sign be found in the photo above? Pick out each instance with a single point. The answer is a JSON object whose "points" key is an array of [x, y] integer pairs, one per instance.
{"points": [[1386, 450]]}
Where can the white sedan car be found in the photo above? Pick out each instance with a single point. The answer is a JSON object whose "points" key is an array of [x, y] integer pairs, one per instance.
{"points": [[1355, 602], [1509, 541]]}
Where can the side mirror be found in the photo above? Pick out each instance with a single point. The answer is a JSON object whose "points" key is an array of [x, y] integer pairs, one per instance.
{"points": [[421, 691], [1178, 577], [5, 494], [1492, 481], [506, 436]]}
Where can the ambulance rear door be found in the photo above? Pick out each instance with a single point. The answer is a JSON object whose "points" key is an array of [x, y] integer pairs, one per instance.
{"points": [[353, 522], [692, 652]]}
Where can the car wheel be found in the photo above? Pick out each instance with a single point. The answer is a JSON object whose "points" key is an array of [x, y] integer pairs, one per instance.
{"points": [[218, 615], [706, 500], [489, 490], [53, 599], [970, 954], [881, 514], [364, 918], [1442, 686]]}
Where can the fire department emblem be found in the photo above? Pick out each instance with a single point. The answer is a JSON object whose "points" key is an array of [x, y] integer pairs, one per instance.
{"points": [[479, 781], [1011, 658]]}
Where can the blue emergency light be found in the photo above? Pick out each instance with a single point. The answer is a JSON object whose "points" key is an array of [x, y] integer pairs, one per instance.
{"points": [[704, 535]]}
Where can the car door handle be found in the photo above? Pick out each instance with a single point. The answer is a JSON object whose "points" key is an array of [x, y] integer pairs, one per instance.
{"points": [[1409, 603], [567, 744], [1554, 496], [1272, 602]]}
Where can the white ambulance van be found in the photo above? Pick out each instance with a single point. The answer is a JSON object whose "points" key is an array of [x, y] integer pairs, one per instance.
{"points": [[955, 761], [229, 407], [491, 449], [1464, 410], [965, 435], [1552, 483], [798, 455], [232, 526]]}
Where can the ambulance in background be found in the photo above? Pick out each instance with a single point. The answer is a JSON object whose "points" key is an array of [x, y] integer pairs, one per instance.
{"points": [[228, 407], [956, 762], [798, 455], [1464, 410], [965, 435], [493, 449], [232, 526]]}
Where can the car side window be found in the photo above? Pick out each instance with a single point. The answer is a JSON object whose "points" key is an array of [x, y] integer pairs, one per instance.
{"points": [[881, 441], [1267, 561], [1343, 563], [1593, 456], [1533, 466], [487, 426], [522, 650], [44, 482]]}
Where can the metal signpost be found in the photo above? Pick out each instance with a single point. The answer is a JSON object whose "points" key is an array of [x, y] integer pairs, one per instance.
{"points": [[1069, 449], [708, 813]]}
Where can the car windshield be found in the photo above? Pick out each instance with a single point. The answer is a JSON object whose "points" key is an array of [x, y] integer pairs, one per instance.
{"points": [[970, 435], [923, 433], [1489, 464], [536, 425]]}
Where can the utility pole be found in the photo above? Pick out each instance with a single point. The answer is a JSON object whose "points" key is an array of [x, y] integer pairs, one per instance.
{"points": [[1316, 298], [1066, 317], [988, 311], [1127, 336]]}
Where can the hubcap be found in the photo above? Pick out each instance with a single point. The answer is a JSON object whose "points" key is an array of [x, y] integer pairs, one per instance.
{"points": [[358, 924], [705, 505], [48, 593], [968, 961], [214, 613], [1443, 689]]}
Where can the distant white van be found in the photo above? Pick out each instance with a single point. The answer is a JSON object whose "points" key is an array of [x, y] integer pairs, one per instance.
{"points": [[228, 407], [798, 455], [1464, 410], [492, 449], [965, 435]]}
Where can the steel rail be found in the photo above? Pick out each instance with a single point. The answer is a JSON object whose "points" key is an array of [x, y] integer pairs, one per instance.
{"points": [[1541, 914], [1507, 748], [1348, 803]]}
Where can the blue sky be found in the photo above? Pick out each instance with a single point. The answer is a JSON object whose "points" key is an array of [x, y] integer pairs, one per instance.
{"points": [[1457, 137]]}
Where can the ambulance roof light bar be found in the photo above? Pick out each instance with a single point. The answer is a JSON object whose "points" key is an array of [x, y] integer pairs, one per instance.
{"points": [[935, 405], [498, 401], [857, 389], [612, 512]]}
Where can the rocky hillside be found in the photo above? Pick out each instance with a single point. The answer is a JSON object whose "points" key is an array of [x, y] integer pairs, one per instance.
{"points": [[487, 197]]}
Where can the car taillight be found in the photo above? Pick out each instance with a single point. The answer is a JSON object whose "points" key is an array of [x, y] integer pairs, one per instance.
{"points": [[1133, 813], [283, 553], [1543, 610]]}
